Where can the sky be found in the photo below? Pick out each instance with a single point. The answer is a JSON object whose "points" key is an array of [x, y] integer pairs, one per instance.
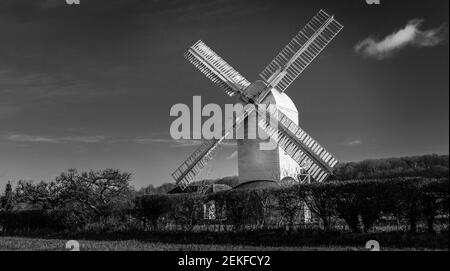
{"points": [[90, 86]]}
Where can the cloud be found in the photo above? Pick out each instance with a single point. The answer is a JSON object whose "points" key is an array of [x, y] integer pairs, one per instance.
{"points": [[217, 9], [410, 35], [153, 140], [233, 155], [54, 140], [354, 142], [180, 143], [187, 143], [173, 142]]}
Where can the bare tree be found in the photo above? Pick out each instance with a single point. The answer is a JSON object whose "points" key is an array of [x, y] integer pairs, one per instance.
{"points": [[92, 190]]}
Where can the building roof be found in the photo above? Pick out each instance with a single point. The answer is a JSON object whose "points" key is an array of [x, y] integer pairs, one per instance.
{"points": [[259, 184], [193, 188]]}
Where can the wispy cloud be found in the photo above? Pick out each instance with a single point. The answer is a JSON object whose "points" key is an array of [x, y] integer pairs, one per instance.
{"points": [[40, 85], [217, 9], [33, 138], [172, 142], [152, 140], [54, 140], [354, 142], [180, 143], [410, 35], [187, 143], [233, 155]]}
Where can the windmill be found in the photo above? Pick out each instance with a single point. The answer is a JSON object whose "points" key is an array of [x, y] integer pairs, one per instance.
{"points": [[293, 142]]}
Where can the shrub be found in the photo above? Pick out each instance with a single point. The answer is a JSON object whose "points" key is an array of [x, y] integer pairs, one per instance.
{"points": [[236, 210], [186, 210], [289, 204], [409, 202], [434, 200], [347, 203], [321, 200], [151, 208], [243, 207], [370, 202], [30, 220], [360, 201]]}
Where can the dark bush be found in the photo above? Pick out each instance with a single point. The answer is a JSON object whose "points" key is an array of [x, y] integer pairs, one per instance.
{"points": [[360, 202], [186, 210], [409, 199], [321, 200], [434, 201], [32, 220], [347, 203], [289, 204], [371, 202], [151, 208], [242, 207]]}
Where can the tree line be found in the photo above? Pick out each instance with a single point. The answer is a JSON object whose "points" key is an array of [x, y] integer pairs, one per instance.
{"points": [[426, 166], [105, 200], [352, 205]]}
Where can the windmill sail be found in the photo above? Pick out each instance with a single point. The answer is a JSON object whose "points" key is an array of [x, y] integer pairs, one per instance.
{"points": [[216, 69], [280, 73], [301, 51], [298, 144], [192, 166], [186, 173]]}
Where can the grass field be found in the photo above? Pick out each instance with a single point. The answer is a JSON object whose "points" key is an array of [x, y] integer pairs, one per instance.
{"points": [[36, 244]]}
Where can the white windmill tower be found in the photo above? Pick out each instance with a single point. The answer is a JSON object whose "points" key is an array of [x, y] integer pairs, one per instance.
{"points": [[295, 146]]}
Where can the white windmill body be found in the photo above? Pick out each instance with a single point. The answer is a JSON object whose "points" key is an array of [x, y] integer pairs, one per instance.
{"points": [[273, 163]]}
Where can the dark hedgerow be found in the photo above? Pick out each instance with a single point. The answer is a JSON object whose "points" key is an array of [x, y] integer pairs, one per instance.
{"points": [[38, 220]]}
